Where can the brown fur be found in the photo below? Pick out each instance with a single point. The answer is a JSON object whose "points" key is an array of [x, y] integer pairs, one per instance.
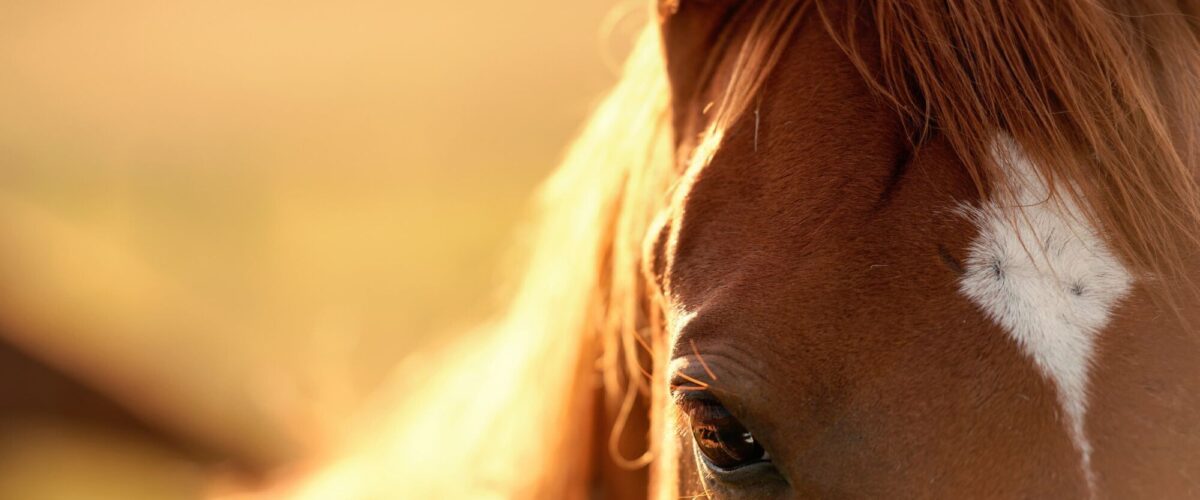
{"points": [[801, 230]]}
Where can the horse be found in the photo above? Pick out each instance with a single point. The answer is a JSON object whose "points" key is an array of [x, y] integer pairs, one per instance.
{"points": [[825, 249]]}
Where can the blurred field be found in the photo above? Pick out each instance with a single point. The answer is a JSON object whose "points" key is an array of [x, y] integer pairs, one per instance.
{"points": [[235, 217]]}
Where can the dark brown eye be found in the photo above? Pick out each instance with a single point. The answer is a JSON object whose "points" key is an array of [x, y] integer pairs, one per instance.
{"points": [[723, 441]]}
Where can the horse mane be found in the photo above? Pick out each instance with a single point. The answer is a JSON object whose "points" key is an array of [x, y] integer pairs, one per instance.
{"points": [[508, 410], [1102, 94]]}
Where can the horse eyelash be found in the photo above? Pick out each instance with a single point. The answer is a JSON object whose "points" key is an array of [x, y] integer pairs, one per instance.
{"points": [[703, 408]]}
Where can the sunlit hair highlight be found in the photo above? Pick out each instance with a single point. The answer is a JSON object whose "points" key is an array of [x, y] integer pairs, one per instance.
{"points": [[1103, 95]]}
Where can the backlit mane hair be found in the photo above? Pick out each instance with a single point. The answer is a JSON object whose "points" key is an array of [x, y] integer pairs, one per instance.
{"points": [[1103, 95]]}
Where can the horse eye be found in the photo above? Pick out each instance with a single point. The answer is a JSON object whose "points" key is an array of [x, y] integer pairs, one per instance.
{"points": [[724, 442]]}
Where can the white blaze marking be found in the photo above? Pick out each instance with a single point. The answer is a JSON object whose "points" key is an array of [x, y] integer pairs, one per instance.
{"points": [[1039, 271]]}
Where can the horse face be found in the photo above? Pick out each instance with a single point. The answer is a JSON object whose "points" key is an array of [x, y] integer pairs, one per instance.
{"points": [[820, 344]]}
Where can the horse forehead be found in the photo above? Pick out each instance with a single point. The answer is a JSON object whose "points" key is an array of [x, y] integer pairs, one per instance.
{"points": [[817, 148], [800, 203]]}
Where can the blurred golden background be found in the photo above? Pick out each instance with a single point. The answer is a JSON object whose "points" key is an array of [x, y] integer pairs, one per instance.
{"points": [[225, 222]]}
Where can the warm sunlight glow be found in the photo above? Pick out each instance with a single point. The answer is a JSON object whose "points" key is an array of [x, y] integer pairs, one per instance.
{"points": [[243, 241]]}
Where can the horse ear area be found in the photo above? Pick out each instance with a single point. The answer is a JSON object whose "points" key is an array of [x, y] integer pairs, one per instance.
{"points": [[692, 32], [669, 7]]}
